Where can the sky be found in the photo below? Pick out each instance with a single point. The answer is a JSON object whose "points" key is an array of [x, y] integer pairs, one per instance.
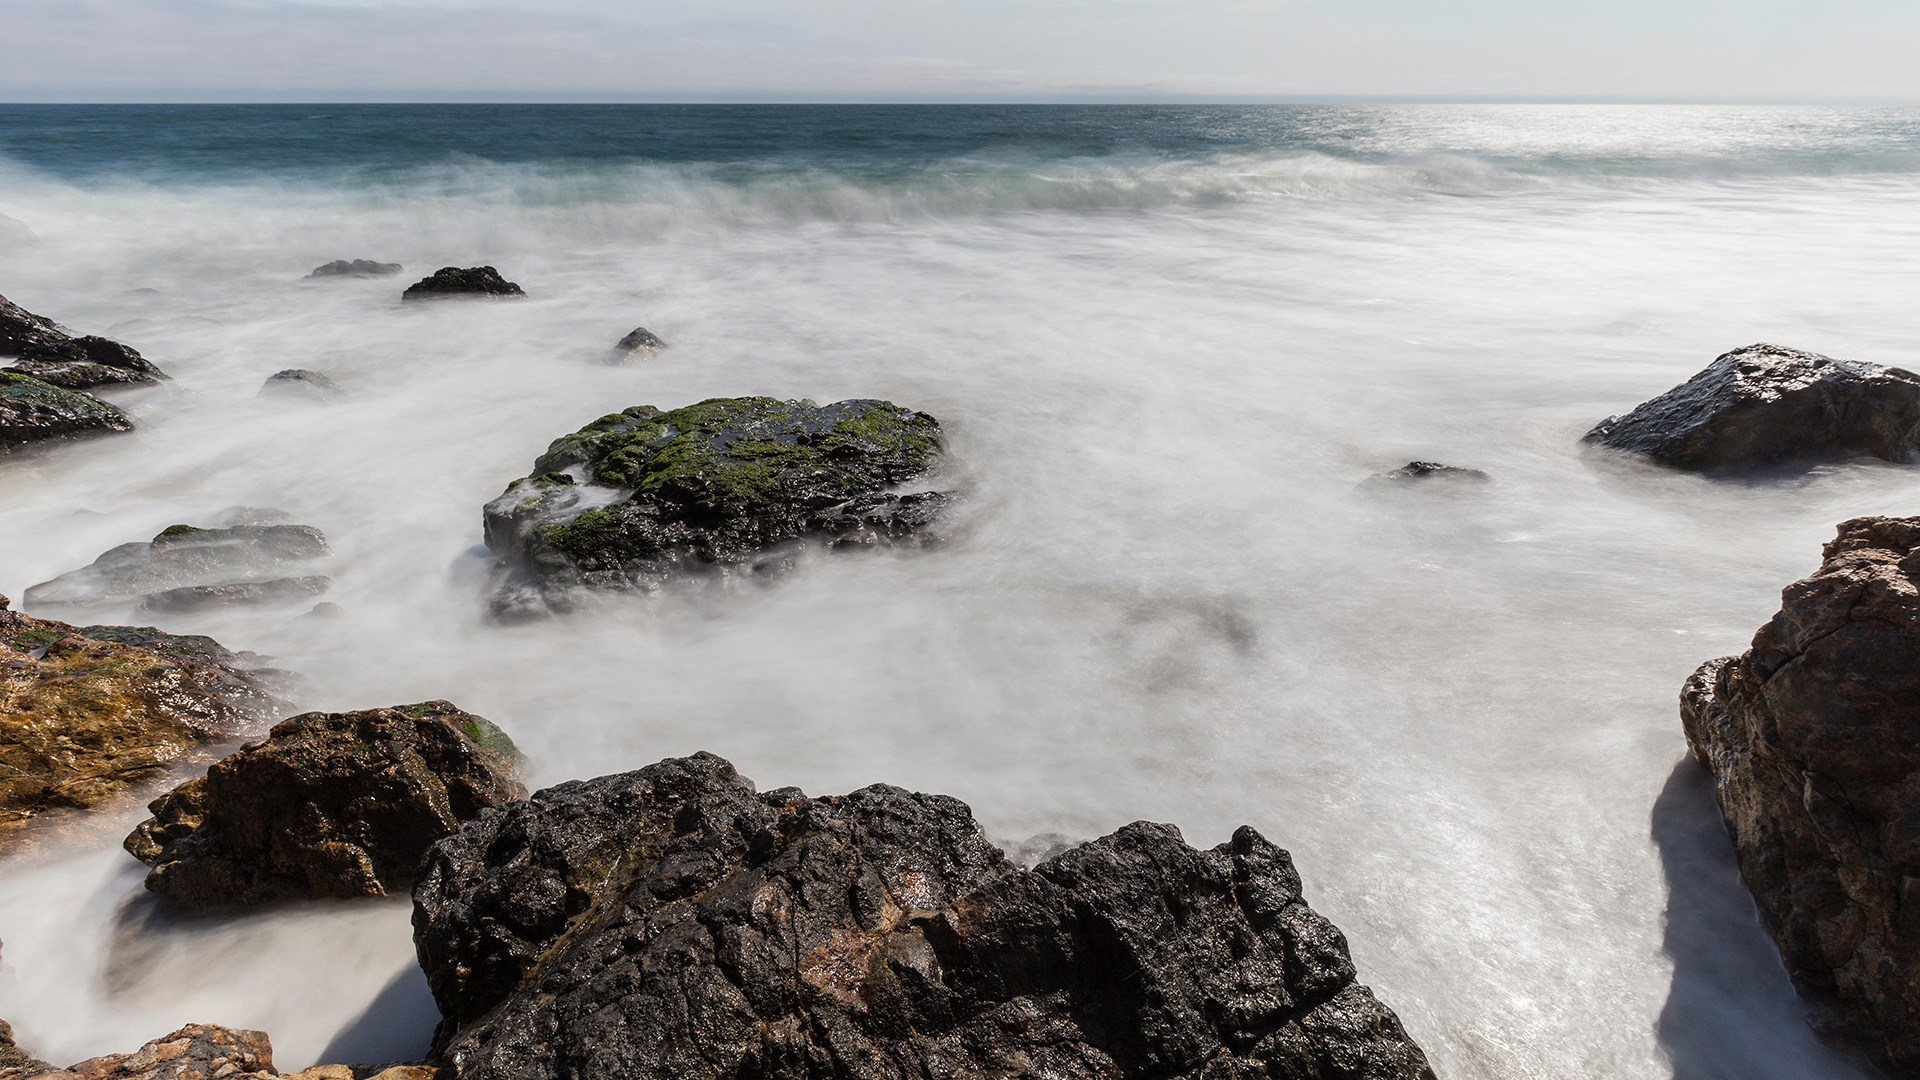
{"points": [[958, 50]]}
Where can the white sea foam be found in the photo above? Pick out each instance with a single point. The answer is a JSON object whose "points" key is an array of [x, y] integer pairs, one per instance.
{"points": [[1165, 381]]}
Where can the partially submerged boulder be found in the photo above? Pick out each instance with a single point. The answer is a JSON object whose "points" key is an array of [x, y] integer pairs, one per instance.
{"points": [[672, 922], [1765, 407], [1813, 736], [639, 343], [185, 557], [355, 268], [211, 1052], [300, 384], [1414, 472], [193, 598], [328, 805], [639, 497], [451, 281], [33, 411], [48, 352], [89, 715]]}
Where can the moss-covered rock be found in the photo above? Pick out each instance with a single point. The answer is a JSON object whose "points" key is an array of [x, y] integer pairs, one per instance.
{"points": [[34, 411], [641, 496]]}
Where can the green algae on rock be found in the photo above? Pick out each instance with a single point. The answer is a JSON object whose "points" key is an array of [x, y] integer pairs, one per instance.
{"points": [[33, 411], [642, 496]]}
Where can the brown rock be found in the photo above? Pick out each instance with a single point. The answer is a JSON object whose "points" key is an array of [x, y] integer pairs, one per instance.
{"points": [[328, 805], [15, 1062], [1814, 738], [211, 1052], [91, 714]]}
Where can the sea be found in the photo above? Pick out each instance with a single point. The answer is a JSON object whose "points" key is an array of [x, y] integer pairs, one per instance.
{"points": [[1169, 345]]}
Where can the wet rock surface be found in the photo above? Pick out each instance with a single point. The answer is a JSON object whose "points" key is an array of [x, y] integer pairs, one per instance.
{"points": [[672, 922], [1813, 737], [32, 411], [355, 268], [639, 343], [328, 805], [90, 715], [640, 497], [1767, 407], [16, 1063], [184, 567], [300, 384], [450, 281], [211, 1052], [46, 351], [1414, 472]]}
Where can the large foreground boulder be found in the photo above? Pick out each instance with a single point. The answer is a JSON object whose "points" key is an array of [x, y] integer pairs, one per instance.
{"points": [[1813, 735], [171, 572], [47, 351], [671, 922], [639, 497], [211, 1052], [450, 281], [33, 411], [1765, 407], [328, 805], [89, 715]]}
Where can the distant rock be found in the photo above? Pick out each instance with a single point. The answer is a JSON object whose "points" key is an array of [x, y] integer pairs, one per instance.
{"points": [[47, 352], [1418, 471], [451, 281], [638, 343], [1813, 736], [299, 383], [717, 486], [356, 268], [192, 598], [671, 922], [91, 714], [328, 805], [182, 556], [210, 1052], [1766, 407], [32, 411]]}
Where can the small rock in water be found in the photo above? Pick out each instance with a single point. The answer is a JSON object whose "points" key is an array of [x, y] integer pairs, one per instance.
{"points": [[675, 917], [713, 487], [1766, 407], [32, 411], [451, 281], [182, 556], [325, 609], [46, 351], [301, 384], [192, 598], [1416, 471], [639, 342], [356, 268]]}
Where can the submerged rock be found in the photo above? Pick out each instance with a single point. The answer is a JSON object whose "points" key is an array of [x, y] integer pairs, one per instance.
{"points": [[1767, 407], [1417, 471], [672, 922], [300, 383], [194, 598], [453, 281], [641, 496], [183, 557], [46, 351], [1813, 735], [33, 411], [211, 1052], [328, 805], [356, 268], [639, 342], [91, 714]]}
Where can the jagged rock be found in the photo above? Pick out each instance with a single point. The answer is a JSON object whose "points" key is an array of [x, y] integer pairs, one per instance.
{"points": [[300, 383], [453, 281], [16, 1063], [210, 1052], [1416, 471], [91, 714], [182, 556], [1813, 735], [671, 922], [46, 351], [34, 411], [356, 268], [328, 805], [194, 598], [642, 496], [640, 341], [1767, 407]]}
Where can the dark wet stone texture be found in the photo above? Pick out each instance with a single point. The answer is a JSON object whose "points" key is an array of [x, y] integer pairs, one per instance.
{"points": [[46, 351], [356, 268], [1765, 407], [671, 922], [32, 411], [181, 557], [245, 594], [1813, 737], [1414, 471], [328, 805], [641, 340], [301, 384], [453, 281], [716, 486]]}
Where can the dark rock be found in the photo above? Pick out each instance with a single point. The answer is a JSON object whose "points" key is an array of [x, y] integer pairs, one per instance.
{"points": [[182, 556], [641, 340], [1766, 407], [671, 922], [300, 383], [47, 352], [1813, 736], [1415, 471], [453, 281], [328, 805], [33, 411], [356, 268], [89, 715], [16, 1063], [721, 485], [193, 598]]}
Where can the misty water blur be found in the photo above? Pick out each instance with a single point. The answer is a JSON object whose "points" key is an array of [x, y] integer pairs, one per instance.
{"points": [[1166, 358]]}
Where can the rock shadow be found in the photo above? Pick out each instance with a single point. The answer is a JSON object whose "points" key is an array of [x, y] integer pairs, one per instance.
{"points": [[396, 1026]]}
